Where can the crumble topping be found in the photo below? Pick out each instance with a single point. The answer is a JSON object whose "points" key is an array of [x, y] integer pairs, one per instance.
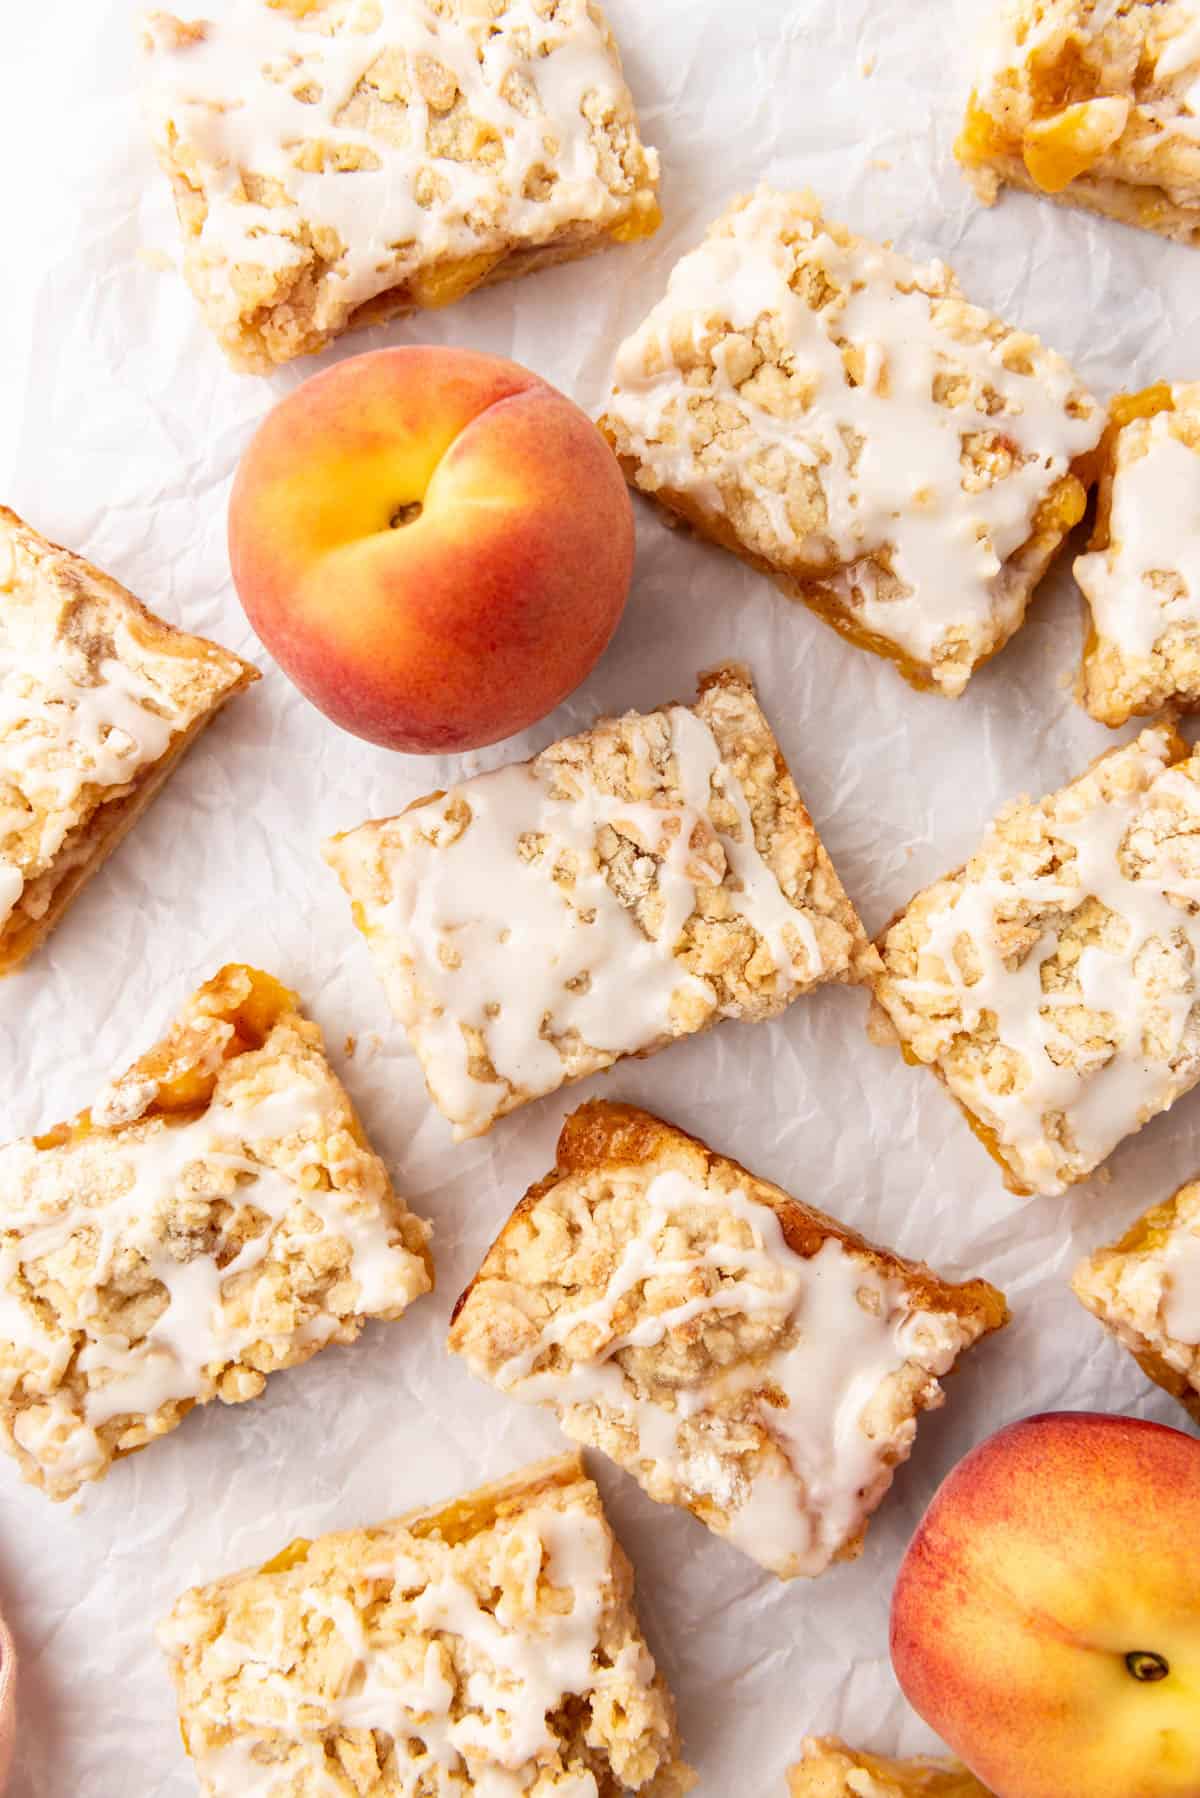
{"points": [[847, 419], [628, 886], [1052, 983], [331, 152]]}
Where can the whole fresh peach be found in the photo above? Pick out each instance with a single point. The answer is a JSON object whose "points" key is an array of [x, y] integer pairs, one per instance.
{"points": [[1046, 1620], [434, 544]]}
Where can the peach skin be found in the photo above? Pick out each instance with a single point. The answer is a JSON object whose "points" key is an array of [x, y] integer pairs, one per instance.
{"points": [[1046, 1618], [434, 544]]}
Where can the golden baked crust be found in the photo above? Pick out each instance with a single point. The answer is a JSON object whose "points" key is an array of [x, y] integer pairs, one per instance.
{"points": [[1141, 575], [1051, 984], [831, 1770], [98, 701], [740, 1353], [1094, 105], [485, 1644], [843, 419], [1146, 1289], [337, 163], [628, 886], [215, 1216]]}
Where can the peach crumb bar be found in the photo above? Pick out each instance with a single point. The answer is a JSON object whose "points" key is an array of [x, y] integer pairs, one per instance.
{"points": [[627, 887], [336, 163], [1146, 1289], [489, 1645], [215, 1216], [1141, 574], [1051, 984], [1094, 105], [739, 1353], [844, 419], [829, 1769], [98, 701]]}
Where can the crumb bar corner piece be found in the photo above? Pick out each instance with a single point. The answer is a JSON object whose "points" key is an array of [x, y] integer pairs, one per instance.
{"points": [[742, 1355], [627, 887], [98, 701], [1141, 573], [1145, 1288], [336, 163], [829, 1769], [845, 420], [217, 1214], [1092, 105], [490, 1644], [1051, 982]]}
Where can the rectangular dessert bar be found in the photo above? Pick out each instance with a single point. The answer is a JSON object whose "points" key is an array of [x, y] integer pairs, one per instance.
{"points": [[490, 1645], [831, 1770], [1051, 984], [626, 887], [842, 418], [340, 162], [1141, 575], [739, 1353], [98, 701], [1094, 105], [1146, 1289], [215, 1216]]}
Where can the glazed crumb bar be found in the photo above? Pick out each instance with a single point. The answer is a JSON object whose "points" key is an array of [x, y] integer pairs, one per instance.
{"points": [[1095, 105], [831, 1770], [340, 162], [98, 701], [1146, 1289], [1141, 575], [215, 1216], [737, 1352], [626, 887], [845, 420], [490, 1645], [1051, 983]]}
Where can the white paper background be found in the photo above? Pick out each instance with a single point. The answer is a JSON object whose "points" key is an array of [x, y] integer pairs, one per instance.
{"points": [[120, 427]]}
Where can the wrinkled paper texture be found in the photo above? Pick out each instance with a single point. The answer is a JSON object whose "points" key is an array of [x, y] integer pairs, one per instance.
{"points": [[120, 427]]}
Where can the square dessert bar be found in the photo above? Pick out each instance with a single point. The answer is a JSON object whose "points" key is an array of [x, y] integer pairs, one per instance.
{"points": [[1141, 575], [340, 162], [1095, 105], [98, 701], [1052, 984], [737, 1352], [626, 887], [831, 1770], [1146, 1289], [845, 420], [490, 1645], [215, 1216]]}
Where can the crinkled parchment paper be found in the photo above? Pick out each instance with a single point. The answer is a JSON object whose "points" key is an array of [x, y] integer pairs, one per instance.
{"points": [[120, 427]]}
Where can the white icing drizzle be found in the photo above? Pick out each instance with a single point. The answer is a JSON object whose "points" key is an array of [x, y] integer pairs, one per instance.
{"points": [[473, 1717], [1141, 981], [1155, 530], [1180, 56], [266, 93], [494, 944], [1181, 1286], [950, 535], [149, 1169], [849, 1331], [71, 732]]}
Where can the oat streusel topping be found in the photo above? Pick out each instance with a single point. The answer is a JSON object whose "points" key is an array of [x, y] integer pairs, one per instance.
{"points": [[739, 1353], [338, 161], [491, 1647], [626, 887], [847, 420], [831, 1770], [215, 1216], [1052, 983]]}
